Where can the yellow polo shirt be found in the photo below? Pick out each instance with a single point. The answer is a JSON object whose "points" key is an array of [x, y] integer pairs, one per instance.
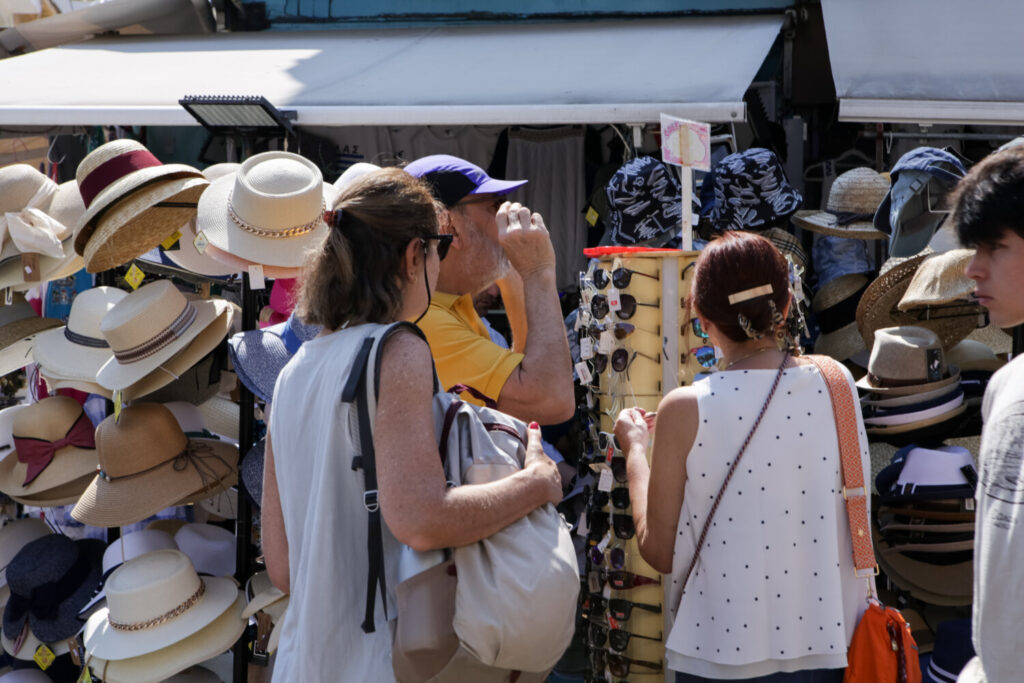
{"points": [[462, 349]]}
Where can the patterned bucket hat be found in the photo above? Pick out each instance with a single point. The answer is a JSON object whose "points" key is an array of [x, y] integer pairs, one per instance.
{"points": [[751, 191], [645, 202]]}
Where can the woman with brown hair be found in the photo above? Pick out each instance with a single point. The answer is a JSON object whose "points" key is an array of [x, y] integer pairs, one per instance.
{"points": [[377, 265], [772, 595]]}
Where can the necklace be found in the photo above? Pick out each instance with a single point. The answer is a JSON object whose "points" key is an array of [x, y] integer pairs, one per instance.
{"points": [[750, 355]]}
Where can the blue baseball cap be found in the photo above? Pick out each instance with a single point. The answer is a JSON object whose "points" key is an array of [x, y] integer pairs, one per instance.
{"points": [[452, 178]]}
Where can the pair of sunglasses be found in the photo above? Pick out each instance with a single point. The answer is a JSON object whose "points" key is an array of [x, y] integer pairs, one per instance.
{"points": [[621, 360], [599, 634], [619, 665], [444, 243], [599, 524], [616, 557], [627, 306], [621, 580], [619, 498], [705, 355], [698, 329], [605, 439], [619, 609], [620, 330], [620, 277]]}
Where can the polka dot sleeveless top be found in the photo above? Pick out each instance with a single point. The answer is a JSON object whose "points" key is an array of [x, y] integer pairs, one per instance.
{"points": [[774, 588]]}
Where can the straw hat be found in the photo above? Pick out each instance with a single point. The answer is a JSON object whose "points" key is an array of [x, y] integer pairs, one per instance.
{"points": [[54, 446], [149, 327], [210, 547], [852, 202], [23, 186], [907, 360], [193, 674], [19, 326], [147, 463], [269, 212], [936, 584], [171, 526], [835, 306], [153, 602], [940, 279], [878, 307], [55, 383], [78, 350], [65, 494], [51, 569], [122, 185], [241, 265], [178, 369], [27, 648], [210, 641], [128, 547], [186, 255], [221, 416], [970, 355]]}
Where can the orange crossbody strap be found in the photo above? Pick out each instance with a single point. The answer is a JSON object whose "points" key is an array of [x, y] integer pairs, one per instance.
{"points": [[855, 491]]}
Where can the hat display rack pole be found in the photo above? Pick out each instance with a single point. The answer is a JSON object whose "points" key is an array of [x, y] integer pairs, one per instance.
{"points": [[243, 523], [108, 278]]}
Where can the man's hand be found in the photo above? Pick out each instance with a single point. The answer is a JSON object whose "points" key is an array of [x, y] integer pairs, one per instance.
{"points": [[525, 239], [542, 466]]}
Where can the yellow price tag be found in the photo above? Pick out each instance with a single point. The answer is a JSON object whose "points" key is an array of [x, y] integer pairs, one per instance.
{"points": [[169, 242], [591, 216], [134, 276], [86, 676], [44, 657], [117, 400]]}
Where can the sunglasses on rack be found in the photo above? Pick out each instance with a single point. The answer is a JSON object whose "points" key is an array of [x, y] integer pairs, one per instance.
{"points": [[619, 609], [705, 355], [444, 242], [616, 557], [622, 580], [623, 526], [621, 359], [598, 498], [620, 330], [605, 439], [618, 465], [627, 306], [599, 634], [620, 277], [620, 498], [619, 665]]}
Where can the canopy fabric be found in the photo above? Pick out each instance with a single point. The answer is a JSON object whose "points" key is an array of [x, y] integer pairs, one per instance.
{"points": [[927, 61], [580, 72]]}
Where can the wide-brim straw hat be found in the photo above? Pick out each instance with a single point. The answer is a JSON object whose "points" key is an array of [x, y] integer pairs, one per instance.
{"points": [[210, 641], [148, 328], [177, 367], [19, 327], [970, 355], [242, 265], [949, 585], [879, 307], [147, 464], [916, 426], [187, 257], [222, 416], [269, 212], [28, 649], [210, 547], [141, 592], [46, 422], [78, 350], [834, 303], [939, 279], [54, 383], [14, 275], [65, 494], [852, 202], [24, 186]]}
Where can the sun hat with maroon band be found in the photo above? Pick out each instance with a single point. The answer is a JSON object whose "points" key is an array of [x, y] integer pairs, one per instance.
{"points": [[133, 202], [452, 178]]}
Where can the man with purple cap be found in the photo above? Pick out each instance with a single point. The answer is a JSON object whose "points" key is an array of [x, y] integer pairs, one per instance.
{"points": [[496, 241]]}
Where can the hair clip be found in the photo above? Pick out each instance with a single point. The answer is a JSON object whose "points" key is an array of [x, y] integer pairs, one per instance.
{"points": [[332, 217], [748, 329], [748, 294]]}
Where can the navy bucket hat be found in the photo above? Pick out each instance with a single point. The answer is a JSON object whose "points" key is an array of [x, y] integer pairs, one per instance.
{"points": [[751, 191], [645, 204]]}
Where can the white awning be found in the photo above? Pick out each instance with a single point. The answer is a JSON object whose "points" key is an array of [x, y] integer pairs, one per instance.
{"points": [[927, 61], [583, 72]]}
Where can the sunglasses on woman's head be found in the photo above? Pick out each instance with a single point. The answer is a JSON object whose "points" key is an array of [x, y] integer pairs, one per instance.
{"points": [[620, 277], [627, 306], [599, 634], [444, 242]]}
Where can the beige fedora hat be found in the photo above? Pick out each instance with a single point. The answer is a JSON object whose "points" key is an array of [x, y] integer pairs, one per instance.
{"points": [[852, 202], [185, 255], [940, 279], [879, 307], [147, 463], [19, 327], [154, 601], [78, 350], [24, 187], [835, 307], [269, 212], [907, 360], [178, 367], [201, 646], [54, 445], [54, 383], [149, 327]]}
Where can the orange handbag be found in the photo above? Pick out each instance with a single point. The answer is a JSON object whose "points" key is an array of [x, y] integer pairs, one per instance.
{"points": [[882, 649]]}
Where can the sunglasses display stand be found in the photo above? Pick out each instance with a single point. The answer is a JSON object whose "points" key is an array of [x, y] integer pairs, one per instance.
{"points": [[637, 343]]}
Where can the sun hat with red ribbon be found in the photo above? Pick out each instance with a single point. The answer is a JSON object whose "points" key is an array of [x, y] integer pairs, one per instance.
{"points": [[133, 202], [54, 446]]}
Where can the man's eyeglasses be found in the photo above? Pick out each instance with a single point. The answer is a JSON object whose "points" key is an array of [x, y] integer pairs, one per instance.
{"points": [[444, 242], [620, 277], [627, 306]]}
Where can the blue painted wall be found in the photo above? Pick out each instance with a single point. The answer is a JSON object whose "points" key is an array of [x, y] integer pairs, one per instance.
{"points": [[404, 12]]}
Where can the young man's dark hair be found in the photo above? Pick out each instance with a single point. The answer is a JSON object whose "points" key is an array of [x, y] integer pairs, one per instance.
{"points": [[990, 199]]}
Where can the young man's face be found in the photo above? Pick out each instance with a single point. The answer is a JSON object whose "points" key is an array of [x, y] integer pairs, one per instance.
{"points": [[998, 269]]}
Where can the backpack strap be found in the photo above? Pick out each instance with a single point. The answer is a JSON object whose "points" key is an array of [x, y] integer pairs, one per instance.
{"points": [[854, 490], [358, 386]]}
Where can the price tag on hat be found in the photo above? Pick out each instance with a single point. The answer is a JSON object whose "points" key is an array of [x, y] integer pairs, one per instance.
{"points": [[200, 242], [30, 267], [134, 276], [256, 277], [591, 216], [614, 304], [117, 400], [85, 677], [586, 348], [43, 657], [171, 240]]}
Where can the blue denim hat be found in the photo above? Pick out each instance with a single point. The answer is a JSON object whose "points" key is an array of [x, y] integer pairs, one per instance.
{"points": [[260, 355], [751, 191], [645, 204], [907, 213]]}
